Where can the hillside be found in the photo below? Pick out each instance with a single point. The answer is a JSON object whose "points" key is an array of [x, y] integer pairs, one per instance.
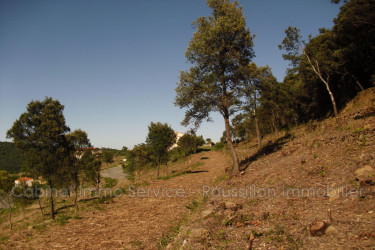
{"points": [[289, 183], [10, 158]]}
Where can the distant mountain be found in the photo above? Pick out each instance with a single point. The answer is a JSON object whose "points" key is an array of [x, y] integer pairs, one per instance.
{"points": [[10, 157]]}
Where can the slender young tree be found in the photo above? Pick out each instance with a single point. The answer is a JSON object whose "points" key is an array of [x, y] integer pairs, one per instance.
{"points": [[40, 134], [6, 185], [219, 49], [160, 138], [79, 140]]}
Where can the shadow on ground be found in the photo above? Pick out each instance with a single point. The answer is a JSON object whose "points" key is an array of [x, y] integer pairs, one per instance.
{"points": [[269, 148]]}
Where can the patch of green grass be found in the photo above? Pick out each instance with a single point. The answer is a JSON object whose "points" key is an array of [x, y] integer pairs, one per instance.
{"points": [[136, 244], [40, 227], [221, 178], [358, 130], [276, 233], [4, 239], [195, 204], [253, 202], [227, 222], [145, 183], [218, 146], [110, 183], [169, 236], [63, 219]]}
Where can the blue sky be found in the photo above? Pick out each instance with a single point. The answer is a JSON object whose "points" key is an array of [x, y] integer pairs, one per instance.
{"points": [[114, 64]]}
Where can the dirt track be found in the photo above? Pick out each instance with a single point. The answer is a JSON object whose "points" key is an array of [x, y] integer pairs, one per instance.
{"points": [[115, 173], [132, 222]]}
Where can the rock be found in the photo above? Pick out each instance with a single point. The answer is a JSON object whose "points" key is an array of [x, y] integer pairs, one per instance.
{"points": [[331, 230], [199, 233], [206, 213], [317, 228], [367, 173], [232, 206], [334, 194]]}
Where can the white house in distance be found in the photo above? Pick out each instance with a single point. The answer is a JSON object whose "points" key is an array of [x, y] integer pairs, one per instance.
{"points": [[94, 151], [178, 135], [26, 180]]}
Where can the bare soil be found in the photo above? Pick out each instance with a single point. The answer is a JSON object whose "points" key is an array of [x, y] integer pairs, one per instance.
{"points": [[284, 187]]}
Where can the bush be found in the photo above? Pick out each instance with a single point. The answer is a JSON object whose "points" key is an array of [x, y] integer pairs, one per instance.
{"points": [[218, 146]]}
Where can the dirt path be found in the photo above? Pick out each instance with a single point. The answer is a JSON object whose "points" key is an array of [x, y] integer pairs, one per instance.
{"points": [[115, 173], [131, 221]]}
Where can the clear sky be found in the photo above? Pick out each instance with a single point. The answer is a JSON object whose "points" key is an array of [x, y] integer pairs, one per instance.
{"points": [[114, 64]]}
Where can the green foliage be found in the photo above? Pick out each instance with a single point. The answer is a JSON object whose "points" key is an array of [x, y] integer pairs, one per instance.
{"points": [[218, 146], [159, 139], [63, 219], [137, 158], [40, 134], [11, 158], [219, 51], [189, 143], [107, 156], [23, 195], [6, 182], [92, 169], [341, 57], [110, 183], [212, 84]]}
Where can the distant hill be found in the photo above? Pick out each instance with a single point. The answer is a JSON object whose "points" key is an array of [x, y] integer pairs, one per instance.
{"points": [[10, 157]]}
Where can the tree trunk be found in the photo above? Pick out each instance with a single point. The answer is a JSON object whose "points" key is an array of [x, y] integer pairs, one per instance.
{"points": [[259, 138], [236, 165], [76, 197], [98, 183], [10, 213], [357, 82], [51, 201], [158, 168], [317, 71], [274, 124], [40, 206]]}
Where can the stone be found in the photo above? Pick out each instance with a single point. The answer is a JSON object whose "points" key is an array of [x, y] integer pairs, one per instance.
{"points": [[334, 194], [365, 174], [331, 230], [199, 233], [206, 213], [232, 206], [317, 228]]}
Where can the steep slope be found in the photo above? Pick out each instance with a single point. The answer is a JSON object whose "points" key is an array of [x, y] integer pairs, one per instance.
{"points": [[293, 181]]}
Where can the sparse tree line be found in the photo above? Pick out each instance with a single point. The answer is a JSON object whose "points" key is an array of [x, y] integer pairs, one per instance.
{"points": [[324, 73], [157, 149], [53, 153]]}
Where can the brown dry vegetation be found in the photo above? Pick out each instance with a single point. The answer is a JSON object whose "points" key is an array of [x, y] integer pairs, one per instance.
{"points": [[320, 156]]}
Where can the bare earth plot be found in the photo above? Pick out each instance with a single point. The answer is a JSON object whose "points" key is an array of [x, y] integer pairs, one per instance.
{"points": [[131, 222]]}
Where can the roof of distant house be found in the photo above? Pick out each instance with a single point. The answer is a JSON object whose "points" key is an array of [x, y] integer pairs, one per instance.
{"points": [[87, 149], [24, 179]]}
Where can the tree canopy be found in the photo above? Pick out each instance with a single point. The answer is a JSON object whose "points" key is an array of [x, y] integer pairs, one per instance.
{"points": [[159, 139], [218, 51], [40, 135]]}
